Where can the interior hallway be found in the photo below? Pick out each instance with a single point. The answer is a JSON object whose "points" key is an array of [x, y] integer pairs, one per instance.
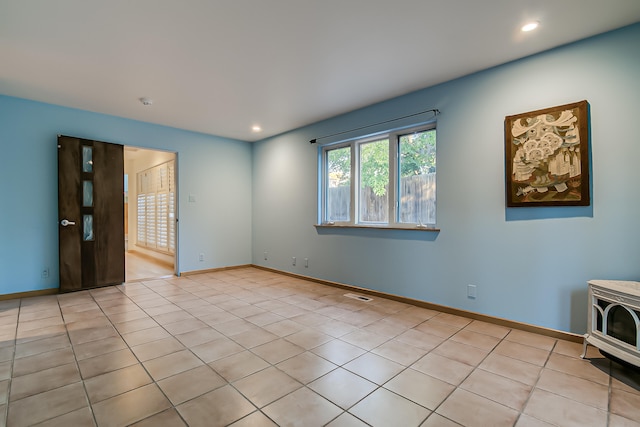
{"points": [[248, 347]]}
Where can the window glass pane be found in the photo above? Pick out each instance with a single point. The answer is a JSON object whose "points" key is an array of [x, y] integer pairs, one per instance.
{"points": [[87, 159], [87, 227], [339, 184], [374, 181], [417, 183], [87, 194]]}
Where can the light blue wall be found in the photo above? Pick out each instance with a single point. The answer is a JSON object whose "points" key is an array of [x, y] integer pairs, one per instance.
{"points": [[215, 170], [529, 264]]}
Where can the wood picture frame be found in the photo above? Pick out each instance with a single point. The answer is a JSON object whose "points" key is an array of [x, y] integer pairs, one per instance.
{"points": [[547, 157]]}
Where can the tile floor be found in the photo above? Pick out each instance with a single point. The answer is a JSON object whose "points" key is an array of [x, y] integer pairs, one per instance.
{"points": [[248, 347]]}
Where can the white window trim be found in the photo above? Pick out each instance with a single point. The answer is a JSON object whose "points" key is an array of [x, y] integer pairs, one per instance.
{"points": [[323, 182]]}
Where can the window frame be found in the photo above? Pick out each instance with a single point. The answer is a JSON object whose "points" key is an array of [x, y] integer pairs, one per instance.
{"points": [[393, 189]]}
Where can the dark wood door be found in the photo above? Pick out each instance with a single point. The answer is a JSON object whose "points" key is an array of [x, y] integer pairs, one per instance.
{"points": [[90, 213]]}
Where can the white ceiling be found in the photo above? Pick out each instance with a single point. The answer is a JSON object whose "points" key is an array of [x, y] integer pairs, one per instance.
{"points": [[221, 66]]}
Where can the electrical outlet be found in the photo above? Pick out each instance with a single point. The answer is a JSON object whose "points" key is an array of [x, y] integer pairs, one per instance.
{"points": [[293, 260], [45, 273], [306, 263], [471, 291], [201, 257]]}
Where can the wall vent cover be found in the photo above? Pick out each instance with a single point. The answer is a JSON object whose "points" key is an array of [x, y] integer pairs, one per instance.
{"points": [[358, 297]]}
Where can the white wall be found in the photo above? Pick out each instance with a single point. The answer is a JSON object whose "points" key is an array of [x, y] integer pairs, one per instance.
{"points": [[529, 264]]}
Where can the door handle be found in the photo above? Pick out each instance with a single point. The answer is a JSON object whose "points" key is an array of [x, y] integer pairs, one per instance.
{"points": [[66, 222]]}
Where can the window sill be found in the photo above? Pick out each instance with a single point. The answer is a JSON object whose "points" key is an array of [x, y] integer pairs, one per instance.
{"points": [[379, 227]]}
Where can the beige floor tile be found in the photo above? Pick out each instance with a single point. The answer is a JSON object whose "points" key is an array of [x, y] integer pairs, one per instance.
{"points": [[132, 406], [384, 408], [255, 419], [385, 328], [266, 386], [234, 327], [438, 329], [42, 346], [5, 370], [79, 417], [184, 326], [472, 410], [420, 388], [464, 353], [168, 418], [500, 389], [284, 327], [41, 361], [144, 336], [81, 336], [47, 405], [618, 421], [376, 339], [558, 410], [106, 363], [625, 404], [475, 339], [374, 368], [216, 349], [529, 421], [219, 407], [189, 384], [437, 420], [399, 352], [116, 382], [174, 316], [589, 370], [575, 388], [6, 353], [363, 339], [336, 328], [198, 336], [420, 339], [347, 420], [342, 387], [490, 329], [171, 364], [41, 381], [531, 339], [302, 407], [523, 352], [624, 378], [451, 319], [277, 351], [254, 338], [136, 325], [155, 349], [306, 367], [97, 348], [338, 351], [518, 370], [309, 338], [239, 365], [445, 369]]}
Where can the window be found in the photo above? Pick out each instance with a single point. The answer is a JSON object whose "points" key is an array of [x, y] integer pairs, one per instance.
{"points": [[385, 181], [156, 208]]}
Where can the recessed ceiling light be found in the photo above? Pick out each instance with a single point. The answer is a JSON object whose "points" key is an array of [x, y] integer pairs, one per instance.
{"points": [[530, 26], [256, 128]]}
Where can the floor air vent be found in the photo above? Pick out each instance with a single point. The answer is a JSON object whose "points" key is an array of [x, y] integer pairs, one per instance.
{"points": [[358, 297]]}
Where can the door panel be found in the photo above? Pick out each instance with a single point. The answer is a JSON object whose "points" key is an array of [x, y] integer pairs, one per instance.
{"points": [[90, 197]]}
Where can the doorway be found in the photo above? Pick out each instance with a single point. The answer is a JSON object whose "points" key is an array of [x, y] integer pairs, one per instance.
{"points": [[150, 203]]}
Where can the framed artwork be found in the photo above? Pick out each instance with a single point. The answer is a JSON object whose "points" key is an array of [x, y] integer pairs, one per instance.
{"points": [[547, 157]]}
